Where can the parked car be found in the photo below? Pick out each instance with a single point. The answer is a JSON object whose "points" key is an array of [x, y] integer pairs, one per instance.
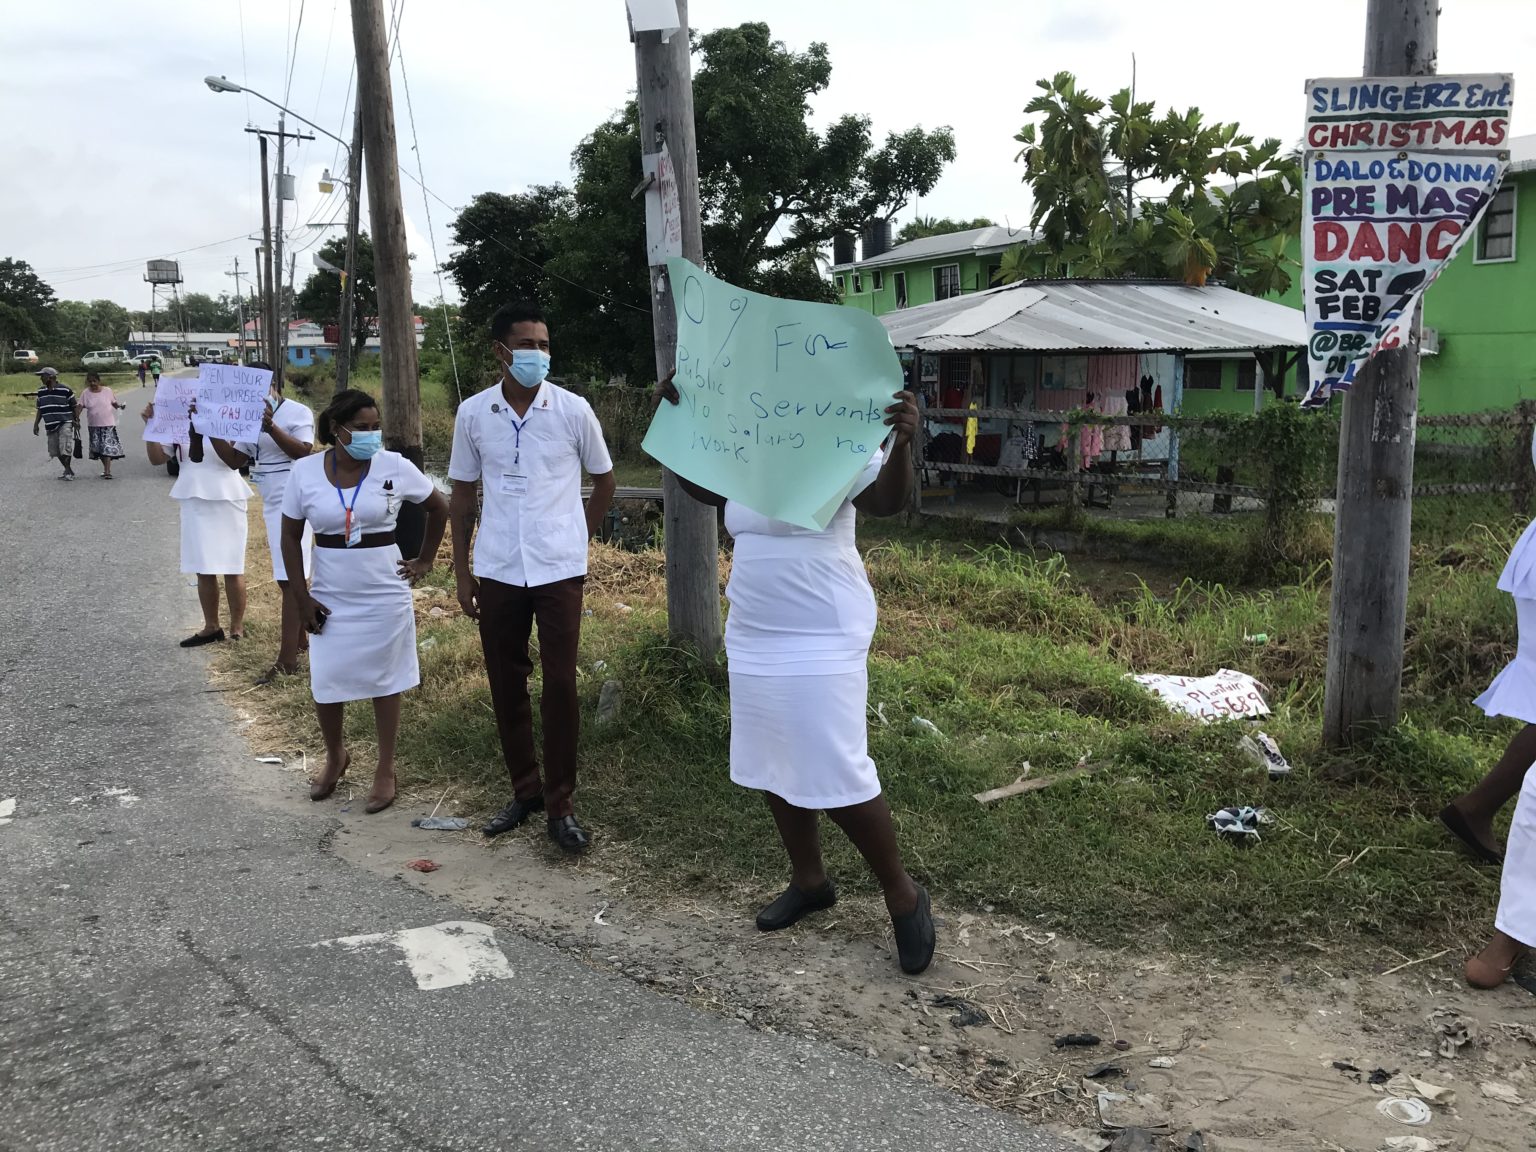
{"points": [[216, 355], [107, 358], [24, 356]]}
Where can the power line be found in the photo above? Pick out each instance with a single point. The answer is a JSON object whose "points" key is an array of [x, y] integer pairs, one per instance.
{"points": [[293, 57], [326, 63], [125, 265], [426, 205]]}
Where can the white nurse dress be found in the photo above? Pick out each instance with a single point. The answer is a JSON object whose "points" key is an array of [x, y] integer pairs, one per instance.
{"points": [[367, 647]]}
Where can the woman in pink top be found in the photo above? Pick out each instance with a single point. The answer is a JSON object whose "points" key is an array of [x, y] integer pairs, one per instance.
{"points": [[100, 407]]}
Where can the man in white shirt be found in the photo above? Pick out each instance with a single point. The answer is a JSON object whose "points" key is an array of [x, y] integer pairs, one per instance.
{"points": [[524, 442]]}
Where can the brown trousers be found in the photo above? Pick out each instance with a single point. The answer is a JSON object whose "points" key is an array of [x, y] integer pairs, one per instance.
{"points": [[507, 616]]}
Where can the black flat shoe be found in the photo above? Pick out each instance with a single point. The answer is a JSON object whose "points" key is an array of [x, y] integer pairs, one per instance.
{"points": [[513, 815], [914, 935], [1456, 824], [571, 836], [197, 639], [794, 904]]}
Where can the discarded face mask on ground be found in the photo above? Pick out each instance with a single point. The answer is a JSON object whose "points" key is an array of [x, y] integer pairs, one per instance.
{"points": [[1240, 825]]}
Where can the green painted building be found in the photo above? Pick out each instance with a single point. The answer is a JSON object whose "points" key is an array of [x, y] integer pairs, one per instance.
{"points": [[1479, 316]]}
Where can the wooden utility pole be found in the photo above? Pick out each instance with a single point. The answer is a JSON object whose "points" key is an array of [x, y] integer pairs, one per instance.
{"points": [[264, 263], [665, 96], [391, 256], [1374, 512], [349, 267], [239, 307], [259, 309]]}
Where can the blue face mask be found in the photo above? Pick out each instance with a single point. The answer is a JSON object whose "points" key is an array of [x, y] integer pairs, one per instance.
{"points": [[364, 445], [529, 366]]}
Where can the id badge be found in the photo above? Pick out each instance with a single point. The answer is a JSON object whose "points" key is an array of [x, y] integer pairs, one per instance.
{"points": [[514, 484], [355, 534]]}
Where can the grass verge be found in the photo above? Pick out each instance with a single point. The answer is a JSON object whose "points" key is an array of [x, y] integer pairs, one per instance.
{"points": [[1017, 659]]}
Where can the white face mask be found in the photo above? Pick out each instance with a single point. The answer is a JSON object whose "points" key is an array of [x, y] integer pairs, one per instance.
{"points": [[528, 366]]}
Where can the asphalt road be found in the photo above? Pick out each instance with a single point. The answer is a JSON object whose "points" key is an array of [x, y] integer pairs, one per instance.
{"points": [[165, 976]]}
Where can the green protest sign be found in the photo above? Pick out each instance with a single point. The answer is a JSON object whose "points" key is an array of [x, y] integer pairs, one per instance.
{"points": [[783, 401]]}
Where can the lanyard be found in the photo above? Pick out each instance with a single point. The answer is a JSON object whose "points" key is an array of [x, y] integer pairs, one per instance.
{"points": [[517, 431], [345, 507]]}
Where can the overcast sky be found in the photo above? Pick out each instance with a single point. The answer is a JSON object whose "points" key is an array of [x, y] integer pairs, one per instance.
{"points": [[116, 152]]}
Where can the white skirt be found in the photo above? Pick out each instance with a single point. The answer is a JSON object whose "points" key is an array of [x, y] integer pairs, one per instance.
{"points": [[1517, 893], [803, 738], [272, 513], [213, 534], [1513, 691], [367, 647]]}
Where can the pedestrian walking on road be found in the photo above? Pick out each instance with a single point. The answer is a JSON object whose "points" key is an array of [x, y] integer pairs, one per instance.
{"points": [[797, 640], [213, 531], [287, 435], [56, 416], [141, 373], [359, 608], [523, 443], [100, 407]]}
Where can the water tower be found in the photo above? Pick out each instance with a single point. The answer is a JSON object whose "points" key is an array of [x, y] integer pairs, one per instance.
{"points": [[156, 274]]}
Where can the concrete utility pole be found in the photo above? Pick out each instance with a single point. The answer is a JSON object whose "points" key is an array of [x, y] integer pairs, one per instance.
{"points": [[391, 255], [349, 289], [239, 307], [1373, 519], [264, 261], [665, 96]]}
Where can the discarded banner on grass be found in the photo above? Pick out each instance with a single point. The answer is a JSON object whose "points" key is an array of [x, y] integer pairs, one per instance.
{"points": [[783, 401], [1228, 695], [1398, 171]]}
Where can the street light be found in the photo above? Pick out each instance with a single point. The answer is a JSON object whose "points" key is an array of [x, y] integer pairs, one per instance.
{"points": [[327, 185]]}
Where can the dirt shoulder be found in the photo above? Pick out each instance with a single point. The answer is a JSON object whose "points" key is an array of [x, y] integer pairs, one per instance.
{"points": [[1251, 1052]]}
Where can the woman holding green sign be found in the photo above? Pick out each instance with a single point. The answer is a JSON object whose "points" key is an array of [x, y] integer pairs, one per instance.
{"points": [[797, 639]]}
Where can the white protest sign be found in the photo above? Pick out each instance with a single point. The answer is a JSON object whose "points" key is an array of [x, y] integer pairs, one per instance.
{"points": [[1397, 174], [1228, 695], [232, 400], [169, 423]]}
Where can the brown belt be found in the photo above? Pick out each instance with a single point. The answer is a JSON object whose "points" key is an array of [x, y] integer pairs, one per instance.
{"points": [[368, 540]]}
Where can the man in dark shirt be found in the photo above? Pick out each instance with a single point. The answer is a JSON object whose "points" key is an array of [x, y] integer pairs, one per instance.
{"points": [[56, 413]]}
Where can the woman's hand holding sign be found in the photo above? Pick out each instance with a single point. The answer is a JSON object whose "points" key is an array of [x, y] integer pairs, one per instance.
{"points": [[901, 418]]}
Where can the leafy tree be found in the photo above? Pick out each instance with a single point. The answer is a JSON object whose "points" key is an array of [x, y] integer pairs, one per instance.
{"points": [[200, 312], [1225, 211], [26, 305], [320, 298], [920, 227], [773, 192], [80, 327]]}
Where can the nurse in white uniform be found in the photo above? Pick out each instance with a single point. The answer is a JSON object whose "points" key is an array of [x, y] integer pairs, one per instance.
{"points": [[1513, 694], [358, 606], [797, 640], [287, 434], [213, 533]]}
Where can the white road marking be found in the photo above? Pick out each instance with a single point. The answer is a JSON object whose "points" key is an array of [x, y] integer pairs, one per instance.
{"points": [[439, 955]]}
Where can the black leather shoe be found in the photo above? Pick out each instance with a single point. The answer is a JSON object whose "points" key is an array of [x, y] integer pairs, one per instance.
{"points": [[513, 815], [914, 935], [571, 836], [794, 904]]}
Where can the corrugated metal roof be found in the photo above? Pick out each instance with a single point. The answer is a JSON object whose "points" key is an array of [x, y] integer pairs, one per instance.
{"points": [[1098, 316], [1522, 153], [972, 240]]}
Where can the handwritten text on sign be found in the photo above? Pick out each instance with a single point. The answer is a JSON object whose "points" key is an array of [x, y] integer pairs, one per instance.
{"points": [[783, 401], [1380, 225], [1226, 695], [232, 400], [169, 424]]}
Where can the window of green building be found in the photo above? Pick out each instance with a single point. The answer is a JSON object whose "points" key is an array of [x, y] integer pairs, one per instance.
{"points": [[1202, 375], [858, 283], [901, 289], [946, 281], [879, 278], [842, 286], [1496, 234], [1247, 375]]}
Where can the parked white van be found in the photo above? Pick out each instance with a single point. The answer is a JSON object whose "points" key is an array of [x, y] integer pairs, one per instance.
{"points": [[106, 358]]}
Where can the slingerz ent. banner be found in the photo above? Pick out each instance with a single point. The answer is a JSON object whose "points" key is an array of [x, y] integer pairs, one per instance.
{"points": [[1398, 172]]}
